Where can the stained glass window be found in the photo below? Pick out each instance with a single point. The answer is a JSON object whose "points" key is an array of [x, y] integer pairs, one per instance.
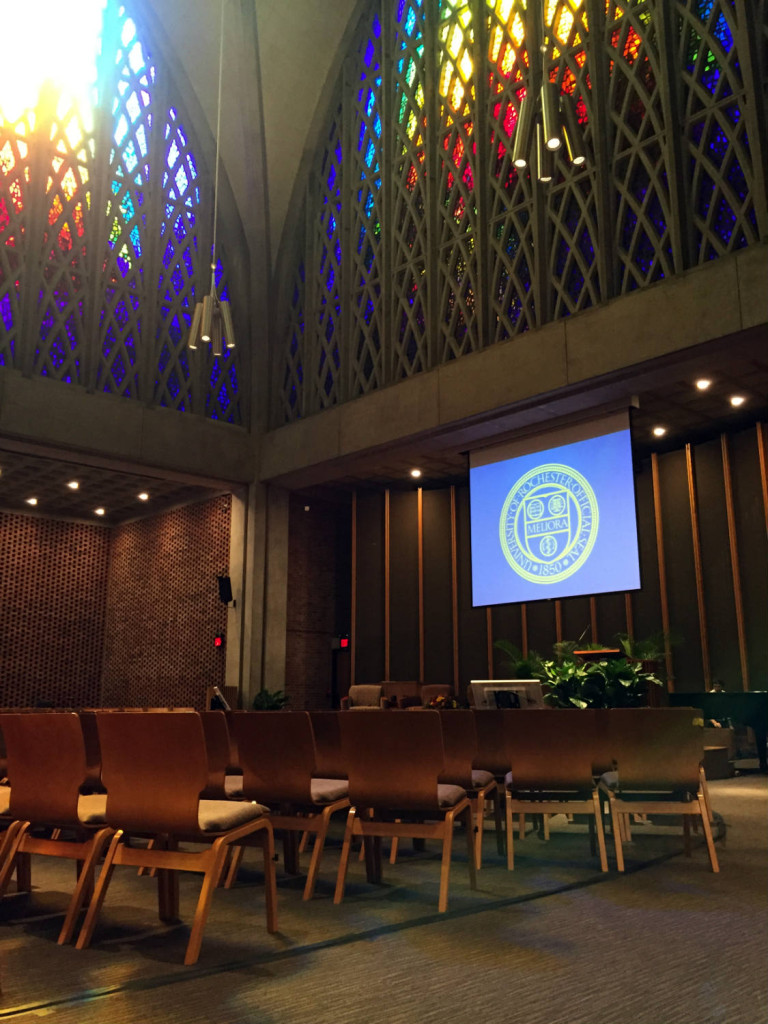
{"points": [[444, 247], [102, 244]]}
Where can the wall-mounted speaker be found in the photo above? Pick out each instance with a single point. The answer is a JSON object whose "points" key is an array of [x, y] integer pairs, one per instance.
{"points": [[225, 588]]}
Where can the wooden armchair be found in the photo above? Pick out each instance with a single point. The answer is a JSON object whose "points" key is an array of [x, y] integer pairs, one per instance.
{"points": [[394, 762], [364, 697], [155, 767], [47, 767]]}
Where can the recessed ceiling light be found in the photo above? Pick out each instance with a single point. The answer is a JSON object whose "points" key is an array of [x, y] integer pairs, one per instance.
{"points": [[703, 383], [143, 496], [659, 431], [415, 473], [99, 511], [31, 501], [737, 400], [73, 485]]}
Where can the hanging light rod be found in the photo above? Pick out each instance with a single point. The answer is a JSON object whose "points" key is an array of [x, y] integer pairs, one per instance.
{"points": [[546, 121], [212, 319]]}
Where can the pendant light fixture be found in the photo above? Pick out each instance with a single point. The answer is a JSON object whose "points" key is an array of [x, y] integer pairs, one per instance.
{"points": [[546, 122], [212, 319]]}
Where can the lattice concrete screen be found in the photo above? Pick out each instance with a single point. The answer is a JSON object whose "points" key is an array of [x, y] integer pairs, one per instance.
{"points": [[419, 241]]}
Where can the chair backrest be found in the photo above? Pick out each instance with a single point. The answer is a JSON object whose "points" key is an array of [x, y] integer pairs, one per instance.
{"points": [[398, 691], [154, 767], [393, 760], [46, 766], [657, 749], [550, 749], [365, 695], [329, 757], [491, 743], [277, 755], [459, 745], [216, 735]]}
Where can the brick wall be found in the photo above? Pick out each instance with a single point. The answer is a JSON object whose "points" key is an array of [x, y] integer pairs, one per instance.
{"points": [[163, 608], [313, 599], [52, 594]]}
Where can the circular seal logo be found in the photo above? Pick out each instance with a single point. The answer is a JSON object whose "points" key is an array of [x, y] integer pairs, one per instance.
{"points": [[548, 523]]}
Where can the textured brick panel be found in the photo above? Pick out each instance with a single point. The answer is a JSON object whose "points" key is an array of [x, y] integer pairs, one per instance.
{"points": [[163, 607], [52, 594]]}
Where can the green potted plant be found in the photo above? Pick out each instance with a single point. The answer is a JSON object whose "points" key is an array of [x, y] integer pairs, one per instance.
{"points": [[270, 700], [514, 664], [572, 682]]}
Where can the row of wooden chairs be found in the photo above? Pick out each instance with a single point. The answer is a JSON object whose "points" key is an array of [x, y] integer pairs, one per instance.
{"points": [[396, 775]]}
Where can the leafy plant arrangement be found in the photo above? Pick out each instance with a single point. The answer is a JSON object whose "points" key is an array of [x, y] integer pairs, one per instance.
{"points": [[270, 700], [515, 664], [613, 683], [443, 703]]}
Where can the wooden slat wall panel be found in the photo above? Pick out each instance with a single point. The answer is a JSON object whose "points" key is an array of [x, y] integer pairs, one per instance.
{"points": [[473, 660], [369, 604], [438, 626], [645, 602], [681, 574], [404, 585], [718, 585], [733, 545], [753, 551], [577, 620]]}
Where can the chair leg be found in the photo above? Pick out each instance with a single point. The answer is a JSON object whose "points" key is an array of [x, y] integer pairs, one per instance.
{"points": [[392, 850], [479, 819], [317, 853], [12, 856], [546, 818], [216, 856], [616, 826], [521, 825], [86, 932], [235, 860], [467, 817], [445, 863], [344, 861], [84, 889], [600, 832], [497, 821], [270, 879], [705, 792], [510, 835], [708, 833]]}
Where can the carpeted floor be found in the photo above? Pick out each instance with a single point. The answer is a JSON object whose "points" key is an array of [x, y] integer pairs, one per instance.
{"points": [[554, 942]]}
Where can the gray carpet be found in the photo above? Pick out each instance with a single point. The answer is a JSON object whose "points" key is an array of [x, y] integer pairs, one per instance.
{"points": [[555, 941]]}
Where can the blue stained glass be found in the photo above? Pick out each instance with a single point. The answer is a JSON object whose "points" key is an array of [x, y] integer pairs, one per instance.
{"points": [[337, 251], [370, 104], [6, 313], [410, 21], [182, 181], [332, 176], [118, 370], [233, 377], [722, 32], [369, 52], [703, 8], [133, 107], [376, 26], [718, 144], [377, 126], [180, 229], [136, 58], [178, 280], [330, 278], [223, 396], [725, 221], [141, 139], [173, 153], [121, 130], [370, 155], [169, 254]]}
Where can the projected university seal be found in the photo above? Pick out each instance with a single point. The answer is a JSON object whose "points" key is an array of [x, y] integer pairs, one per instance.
{"points": [[548, 523]]}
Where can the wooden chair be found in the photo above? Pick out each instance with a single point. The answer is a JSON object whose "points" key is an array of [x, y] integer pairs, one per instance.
{"points": [[394, 763], [221, 783], [364, 697], [154, 767], [550, 754], [46, 767], [658, 756], [277, 756]]}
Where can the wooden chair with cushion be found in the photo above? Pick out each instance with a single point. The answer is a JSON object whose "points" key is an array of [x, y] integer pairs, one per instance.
{"points": [[277, 756], [394, 763], [155, 767], [658, 756], [550, 755], [364, 697], [47, 767]]}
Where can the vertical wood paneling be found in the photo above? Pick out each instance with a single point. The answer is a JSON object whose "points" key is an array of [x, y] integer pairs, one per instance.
{"points": [[697, 564], [559, 621], [663, 597], [524, 628], [405, 617], [353, 587], [762, 454], [489, 640], [420, 542], [438, 588], [593, 617], [735, 571], [629, 614], [454, 594], [387, 596]]}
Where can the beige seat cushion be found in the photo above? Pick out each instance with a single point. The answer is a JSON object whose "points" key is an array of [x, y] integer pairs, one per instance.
{"points": [[365, 695], [481, 778], [233, 786], [220, 815], [449, 796], [92, 809], [325, 791]]}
